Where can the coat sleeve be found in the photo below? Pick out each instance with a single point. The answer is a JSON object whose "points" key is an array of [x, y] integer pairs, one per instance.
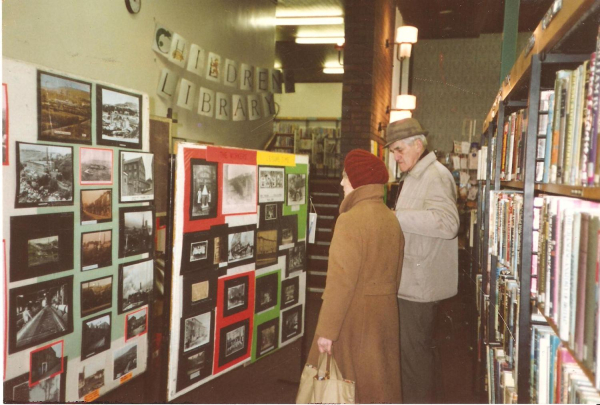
{"points": [[342, 276], [439, 216]]}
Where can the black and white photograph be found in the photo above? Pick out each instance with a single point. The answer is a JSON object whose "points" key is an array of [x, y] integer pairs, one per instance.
{"points": [[266, 292], [296, 258], [270, 184], [135, 284], [267, 337], [39, 313], [291, 323], [118, 118], [96, 250], [50, 390], [288, 229], [204, 196], [96, 206], [235, 295], [44, 175], [64, 109], [296, 189], [91, 375], [266, 247], [95, 335], [136, 171], [239, 189], [233, 342], [290, 289], [96, 295], [196, 253], [270, 212], [136, 323], [194, 367], [136, 231], [95, 166], [125, 360], [199, 290], [220, 240], [241, 246], [46, 362], [197, 331]]}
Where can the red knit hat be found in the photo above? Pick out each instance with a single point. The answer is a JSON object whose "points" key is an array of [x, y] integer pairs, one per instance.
{"points": [[364, 168]]}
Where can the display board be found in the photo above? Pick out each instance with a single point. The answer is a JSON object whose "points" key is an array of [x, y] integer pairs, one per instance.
{"points": [[239, 260], [78, 233]]}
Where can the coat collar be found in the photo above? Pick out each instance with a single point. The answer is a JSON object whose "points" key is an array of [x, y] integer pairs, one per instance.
{"points": [[422, 165], [363, 193]]}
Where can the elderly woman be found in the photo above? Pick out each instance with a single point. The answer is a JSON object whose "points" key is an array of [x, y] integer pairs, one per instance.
{"points": [[358, 322]]}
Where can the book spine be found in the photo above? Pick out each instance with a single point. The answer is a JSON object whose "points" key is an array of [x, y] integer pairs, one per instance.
{"points": [[562, 128], [568, 147], [511, 142], [587, 123], [504, 146], [581, 287], [548, 154], [590, 292], [565, 280], [579, 121], [556, 130]]}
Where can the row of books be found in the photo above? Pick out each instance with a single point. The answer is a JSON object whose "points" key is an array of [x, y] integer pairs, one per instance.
{"points": [[283, 127], [505, 230], [501, 381], [284, 141], [513, 141]]}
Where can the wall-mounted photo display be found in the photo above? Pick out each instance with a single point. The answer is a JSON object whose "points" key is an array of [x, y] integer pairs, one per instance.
{"points": [[266, 247], [95, 335], [39, 313], [290, 289], [136, 324], [5, 136], [95, 166], [96, 295], [91, 375], [46, 362], [40, 245], [50, 390], [296, 259], [194, 366], [269, 215], [136, 172], [197, 330], [235, 295], [233, 342], [288, 229], [197, 252], [296, 189], [270, 184], [220, 243], [239, 189], [96, 206], [199, 290], [96, 250], [241, 244], [44, 175], [64, 109], [118, 118], [136, 231], [291, 323], [125, 360], [135, 284], [267, 292], [204, 195], [267, 337]]}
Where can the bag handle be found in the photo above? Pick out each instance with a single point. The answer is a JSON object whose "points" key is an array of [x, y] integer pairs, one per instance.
{"points": [[328, 368]]}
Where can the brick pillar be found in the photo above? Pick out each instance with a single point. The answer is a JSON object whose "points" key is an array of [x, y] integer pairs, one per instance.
{"points": [[367, 71]]}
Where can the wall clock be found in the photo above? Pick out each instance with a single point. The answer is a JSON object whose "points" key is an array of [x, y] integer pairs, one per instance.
{"points": [[133, 6]]}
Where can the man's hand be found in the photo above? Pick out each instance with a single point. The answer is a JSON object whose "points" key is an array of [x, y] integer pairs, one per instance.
{"points": [[324, 345]]}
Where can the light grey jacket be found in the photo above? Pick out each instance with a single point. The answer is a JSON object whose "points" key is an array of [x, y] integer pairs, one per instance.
{"points": [[426, 210]]}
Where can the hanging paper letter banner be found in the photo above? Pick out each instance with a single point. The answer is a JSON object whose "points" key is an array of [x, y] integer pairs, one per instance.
{"points": [[231, 73], [223, 107], [167, 84], [268, 104], [262, 79], [238, 104], [178, 53], [162, 40], [187, 92], [196, 60], [213, 67], [253, 108], [247, 77], [276, 80], [206, 102]]}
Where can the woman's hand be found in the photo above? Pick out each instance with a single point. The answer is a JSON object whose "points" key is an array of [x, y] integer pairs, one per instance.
{"points": [[324, 345]]}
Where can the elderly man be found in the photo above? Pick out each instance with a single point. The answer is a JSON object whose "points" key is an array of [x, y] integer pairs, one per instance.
{"points": [[426, 210]]}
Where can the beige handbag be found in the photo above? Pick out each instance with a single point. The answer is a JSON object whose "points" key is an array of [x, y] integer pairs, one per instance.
{"points": [[325, 384]]}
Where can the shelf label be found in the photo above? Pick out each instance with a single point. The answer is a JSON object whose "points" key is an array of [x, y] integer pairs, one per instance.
{"points": [[275, 159], [576, 191], [126, 378], [92, 396]]}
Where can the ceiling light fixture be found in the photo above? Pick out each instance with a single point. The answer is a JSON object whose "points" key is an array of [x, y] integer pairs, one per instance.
{"points": [[406, 102], [397, 115], [321, 40], [333, 70], [405, 37], [309, 20]]}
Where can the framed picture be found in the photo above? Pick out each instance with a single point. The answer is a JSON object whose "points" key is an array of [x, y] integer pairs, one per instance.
{"points": [[266, 247], [95, 335], [233, 342], [199, 290], [197, 330], [239, 189], [44, 175], [194, 366], [118, 118], [64, 109], [136, 324], [40, 245], [39, 313], [220, 239], [204, 195], [267, 337], [96, 295], [267, 292], [291, 323], [91, 375], [235, 296], [296, 258], [96, 206], [5, 136], [197, 251], [50, 390], [95, 166], [296, 189], [124, 361], [136, 170], [289, 292], [270, 184], [288, 229], [136, 231], [270, 212], [46, 362], [96, 250], [135, 284], [241, 244]]}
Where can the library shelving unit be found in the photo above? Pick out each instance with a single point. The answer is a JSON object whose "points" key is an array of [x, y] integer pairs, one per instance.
{"points": [[563, 40]]}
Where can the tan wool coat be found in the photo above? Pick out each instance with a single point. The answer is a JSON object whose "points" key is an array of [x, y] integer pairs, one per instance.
{"points": [[360, 311]]}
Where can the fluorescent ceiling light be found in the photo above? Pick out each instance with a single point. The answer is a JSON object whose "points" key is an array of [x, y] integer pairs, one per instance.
{"points": [[406, 102], [309, 20], [321, 40], [397, 115], [333, 70]]}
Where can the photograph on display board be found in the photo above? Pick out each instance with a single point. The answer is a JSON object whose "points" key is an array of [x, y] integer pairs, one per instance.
{"points": [[64, 109], [269, 215], [118, 118], [40, 312], [266, 247], [270, 212], [135, 284], [235, 295], [291, 323], [17, 390], [266, 292], [125, 360], [197, 253], [197, 330], [95, 335], [136, 171], [96, 250], [204, 195], [233, 342], [40, 245], [95, 166], [46, 362], [270, 184], [96, 206], [96, 295], [220, 240], [288, 229], [44, 175], [199, 289], [267, 337], [5, 137], [239, 189], [194, 367], [136, 324], [296, 258], [136, 231], [241, 243], [91, 375], [296, 189], [290, 289]]}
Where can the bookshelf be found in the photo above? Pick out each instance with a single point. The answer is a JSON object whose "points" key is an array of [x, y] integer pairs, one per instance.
{"points": [[281, 142], [533, 74]]}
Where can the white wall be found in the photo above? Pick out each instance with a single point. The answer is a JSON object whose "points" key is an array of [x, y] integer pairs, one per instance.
{"points": [[100, 40], [313, 100]]}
